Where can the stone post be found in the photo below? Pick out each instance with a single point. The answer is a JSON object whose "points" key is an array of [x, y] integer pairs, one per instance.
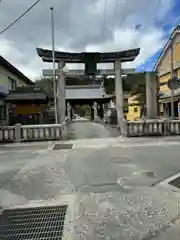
{"points": [[119, 96], [17, 132], [151, 96]]}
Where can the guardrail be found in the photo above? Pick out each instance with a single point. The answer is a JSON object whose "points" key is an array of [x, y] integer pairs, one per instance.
{"points": [[152, 128], [22, 133]]}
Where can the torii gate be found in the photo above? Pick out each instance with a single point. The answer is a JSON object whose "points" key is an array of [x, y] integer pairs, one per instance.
{"points": [[93, 95], [91, 59]]}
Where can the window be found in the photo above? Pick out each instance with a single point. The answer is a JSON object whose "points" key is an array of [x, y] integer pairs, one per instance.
{"points": [[175, 74], [12, 84], [135, 109], [2, 112]]}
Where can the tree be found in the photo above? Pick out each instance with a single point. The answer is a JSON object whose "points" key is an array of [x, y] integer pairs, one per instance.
{"points": [[47, 85], [109, 85]]}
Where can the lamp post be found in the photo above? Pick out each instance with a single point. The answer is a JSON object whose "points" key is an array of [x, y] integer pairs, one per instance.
{"points": [[54, 67], [172, 75]]}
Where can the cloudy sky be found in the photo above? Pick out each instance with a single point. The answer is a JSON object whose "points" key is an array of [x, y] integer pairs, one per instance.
{"points": [[86, 25]]}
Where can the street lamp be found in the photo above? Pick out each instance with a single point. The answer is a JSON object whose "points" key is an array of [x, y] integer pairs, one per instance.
{"points": [[54, 65]]}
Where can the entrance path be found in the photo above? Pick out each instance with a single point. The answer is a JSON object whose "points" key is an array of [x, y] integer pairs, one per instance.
{"points": [[103, 181], [81, 128]]}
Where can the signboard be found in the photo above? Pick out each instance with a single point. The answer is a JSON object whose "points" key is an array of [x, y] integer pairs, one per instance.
{"points": [[27, 109], [81, 72]]}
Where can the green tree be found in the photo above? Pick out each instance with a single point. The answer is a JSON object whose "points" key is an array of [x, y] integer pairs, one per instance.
{"points": [[109, 85], [47, 85]]}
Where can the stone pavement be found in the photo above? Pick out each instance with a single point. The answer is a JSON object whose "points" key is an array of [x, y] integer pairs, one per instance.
{"points": [[107, 183], [81, 129]]}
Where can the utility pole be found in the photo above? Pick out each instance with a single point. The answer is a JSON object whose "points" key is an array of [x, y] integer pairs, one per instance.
{"points": [[172, 75], [54, 65]]}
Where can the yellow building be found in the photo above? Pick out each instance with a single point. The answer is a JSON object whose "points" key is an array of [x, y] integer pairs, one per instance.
{"points": [[133, 108], [163, 70]]}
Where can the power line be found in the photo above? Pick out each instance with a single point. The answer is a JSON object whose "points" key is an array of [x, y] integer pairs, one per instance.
{"points": [[123, 14], [114, 15], [17, 19], [104, 19]]}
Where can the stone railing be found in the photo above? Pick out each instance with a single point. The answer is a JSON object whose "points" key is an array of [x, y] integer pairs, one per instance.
{"points": [[152, 128], [22, 133], [7, 134], [174, 127]]}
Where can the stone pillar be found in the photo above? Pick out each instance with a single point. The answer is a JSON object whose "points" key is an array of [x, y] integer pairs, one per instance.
{"points": [[61, 101], [17, 132], [119, 93], [151, 96]]}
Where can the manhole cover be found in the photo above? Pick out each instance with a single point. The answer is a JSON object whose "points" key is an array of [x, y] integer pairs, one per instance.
{"points": [[62, 146], [45, 223]]}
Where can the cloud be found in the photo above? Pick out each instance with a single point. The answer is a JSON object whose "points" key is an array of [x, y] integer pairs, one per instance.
{"points": [[81, 25]]}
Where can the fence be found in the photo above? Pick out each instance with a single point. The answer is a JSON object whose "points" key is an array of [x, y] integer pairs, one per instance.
{"points": [[152, 128], [22, 133]]}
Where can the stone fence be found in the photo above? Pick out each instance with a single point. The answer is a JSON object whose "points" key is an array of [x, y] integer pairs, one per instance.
{"points": [[152, 128], [23, 133]]}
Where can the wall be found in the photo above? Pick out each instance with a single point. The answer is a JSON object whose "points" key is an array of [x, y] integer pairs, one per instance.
{"points": [[164, 79], [164, 67], [133, 113], [4, 83]]}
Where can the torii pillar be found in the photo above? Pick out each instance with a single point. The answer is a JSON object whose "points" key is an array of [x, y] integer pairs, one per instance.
{"points": [[119, 95], [151, 95], [61, 91]]}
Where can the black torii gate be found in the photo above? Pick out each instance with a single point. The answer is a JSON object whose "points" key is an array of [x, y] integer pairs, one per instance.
{"points": [[91, 59]]}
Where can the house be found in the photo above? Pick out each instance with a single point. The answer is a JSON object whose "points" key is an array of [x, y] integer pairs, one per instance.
{"points": [[27, 105], [163, 70], [134, 108], [10, 79]]}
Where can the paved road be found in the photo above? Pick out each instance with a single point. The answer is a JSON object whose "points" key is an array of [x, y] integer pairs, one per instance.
{"points": [[82, 128], [97, 179]]}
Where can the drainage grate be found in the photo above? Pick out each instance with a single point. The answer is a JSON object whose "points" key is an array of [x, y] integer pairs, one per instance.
{"points": [[62, 146], [42, 223]]}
